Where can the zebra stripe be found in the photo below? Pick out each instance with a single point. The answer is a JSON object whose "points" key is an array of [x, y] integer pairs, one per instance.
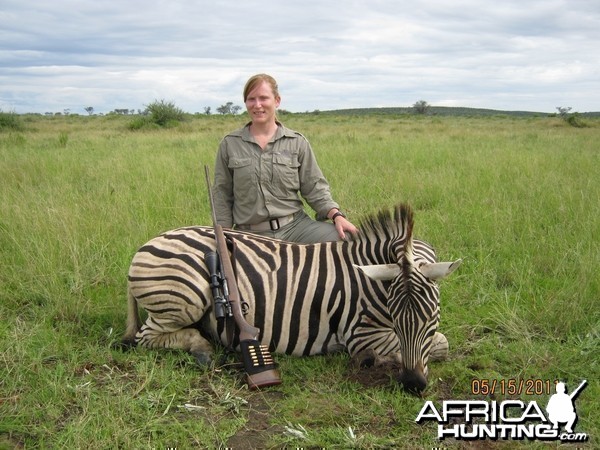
{"points": [[305, 299]]}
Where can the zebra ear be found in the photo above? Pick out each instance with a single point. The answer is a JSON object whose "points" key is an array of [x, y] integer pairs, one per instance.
{"points": [[380, 271], [437, 271]]}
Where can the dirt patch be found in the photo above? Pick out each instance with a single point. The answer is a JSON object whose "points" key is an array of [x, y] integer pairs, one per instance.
{"points": [[258, 430], [383, 375], [8, 440], [444, 390]]}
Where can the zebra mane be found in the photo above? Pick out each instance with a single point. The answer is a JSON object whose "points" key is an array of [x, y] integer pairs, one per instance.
{"points": [[407, 257], [397, 229], [397, 225]]}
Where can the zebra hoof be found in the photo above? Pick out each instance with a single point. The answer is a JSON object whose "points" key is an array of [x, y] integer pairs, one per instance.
{"points": [[366, 358], [203, 359], [124, 345], [439, 348]]}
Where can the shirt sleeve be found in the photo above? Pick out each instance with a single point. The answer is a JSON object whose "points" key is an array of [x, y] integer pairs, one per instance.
{"points": [[313, 185], [223, 188]]}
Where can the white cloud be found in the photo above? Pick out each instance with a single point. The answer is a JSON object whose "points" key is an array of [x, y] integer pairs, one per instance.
{"points": [[325, 55]]}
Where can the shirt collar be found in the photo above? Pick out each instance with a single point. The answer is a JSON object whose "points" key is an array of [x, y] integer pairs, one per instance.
{"points": [[282, 131]]}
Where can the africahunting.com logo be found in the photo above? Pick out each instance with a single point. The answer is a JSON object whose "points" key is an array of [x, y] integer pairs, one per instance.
{"points": [[508, 419]]}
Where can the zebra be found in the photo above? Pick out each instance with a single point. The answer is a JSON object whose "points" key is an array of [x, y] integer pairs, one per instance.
{"points": [[374, 296]]}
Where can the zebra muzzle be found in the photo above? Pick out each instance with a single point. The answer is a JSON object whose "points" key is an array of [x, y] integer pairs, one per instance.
{"points": [[261, 369], [414, 380]]}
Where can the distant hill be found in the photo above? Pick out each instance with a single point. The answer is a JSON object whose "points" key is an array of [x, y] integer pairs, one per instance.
{"points": [[448, 111]]}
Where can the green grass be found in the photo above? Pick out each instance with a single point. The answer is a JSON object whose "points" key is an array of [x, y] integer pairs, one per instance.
{"points": [[517, 198]]}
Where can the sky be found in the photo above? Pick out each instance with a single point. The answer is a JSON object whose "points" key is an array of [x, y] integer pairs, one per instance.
{"points": [[66, 55]]}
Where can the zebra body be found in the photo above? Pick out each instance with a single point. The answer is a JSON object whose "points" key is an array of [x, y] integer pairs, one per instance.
{"points": [[306, 299]]}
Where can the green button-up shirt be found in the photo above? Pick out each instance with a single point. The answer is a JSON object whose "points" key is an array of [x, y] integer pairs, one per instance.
{"points": [[253, 185]]}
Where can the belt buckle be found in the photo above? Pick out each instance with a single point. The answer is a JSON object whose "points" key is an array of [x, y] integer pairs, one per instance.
{"points": [[274, 224]]}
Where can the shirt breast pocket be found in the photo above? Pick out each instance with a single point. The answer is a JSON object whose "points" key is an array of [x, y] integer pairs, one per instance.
{"points": [[286, 178], [244, 174]]}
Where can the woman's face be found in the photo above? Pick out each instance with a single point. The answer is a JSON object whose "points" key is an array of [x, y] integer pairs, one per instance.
{"points": [[261, 103]]}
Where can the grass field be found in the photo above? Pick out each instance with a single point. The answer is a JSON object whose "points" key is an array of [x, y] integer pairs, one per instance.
{"points": [[517, 198]]}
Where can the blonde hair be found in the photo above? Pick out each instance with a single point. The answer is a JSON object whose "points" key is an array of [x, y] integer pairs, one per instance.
{"points": [[256, 80]]}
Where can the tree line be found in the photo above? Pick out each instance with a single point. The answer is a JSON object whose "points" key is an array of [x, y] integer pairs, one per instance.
{"points": [[227, 108]]}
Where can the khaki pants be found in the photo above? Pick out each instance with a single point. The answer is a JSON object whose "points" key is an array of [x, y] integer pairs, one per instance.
{"points": [[304, 230]]}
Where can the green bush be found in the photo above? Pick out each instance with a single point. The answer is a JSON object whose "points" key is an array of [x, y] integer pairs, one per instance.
{"points": [[10, 121], [575, 121], [164, 113], [142, 122]]}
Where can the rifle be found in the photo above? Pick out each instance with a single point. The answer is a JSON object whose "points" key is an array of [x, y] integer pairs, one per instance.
{"points": [[258, 363]]}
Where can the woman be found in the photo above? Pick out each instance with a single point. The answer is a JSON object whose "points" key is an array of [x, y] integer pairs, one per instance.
{"points": [[262, 169]]}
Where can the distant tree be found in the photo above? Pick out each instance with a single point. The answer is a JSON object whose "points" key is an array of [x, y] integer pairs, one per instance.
{"points": [[421, 107], [563, 111], [229, 108], [207, 110], [89, 110], [66, 111], [225, 109], [572, 119]]}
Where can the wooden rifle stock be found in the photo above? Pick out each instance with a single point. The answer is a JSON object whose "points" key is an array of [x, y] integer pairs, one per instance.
{"points": [[258, 363], [247, 331]]}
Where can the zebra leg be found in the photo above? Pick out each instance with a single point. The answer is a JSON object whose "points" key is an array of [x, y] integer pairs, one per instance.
{"points": [[370, 358], [439, 348], [378, 347], [188, 339]]}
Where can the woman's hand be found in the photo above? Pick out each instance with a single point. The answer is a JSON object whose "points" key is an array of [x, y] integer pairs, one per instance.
{"points": [[342, 224]]}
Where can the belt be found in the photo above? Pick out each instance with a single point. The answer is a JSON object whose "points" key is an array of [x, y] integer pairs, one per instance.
{"points": [[268, 225]]}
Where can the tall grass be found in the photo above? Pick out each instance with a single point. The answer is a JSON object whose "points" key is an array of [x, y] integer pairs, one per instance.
{"points": [[517, 199]]}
